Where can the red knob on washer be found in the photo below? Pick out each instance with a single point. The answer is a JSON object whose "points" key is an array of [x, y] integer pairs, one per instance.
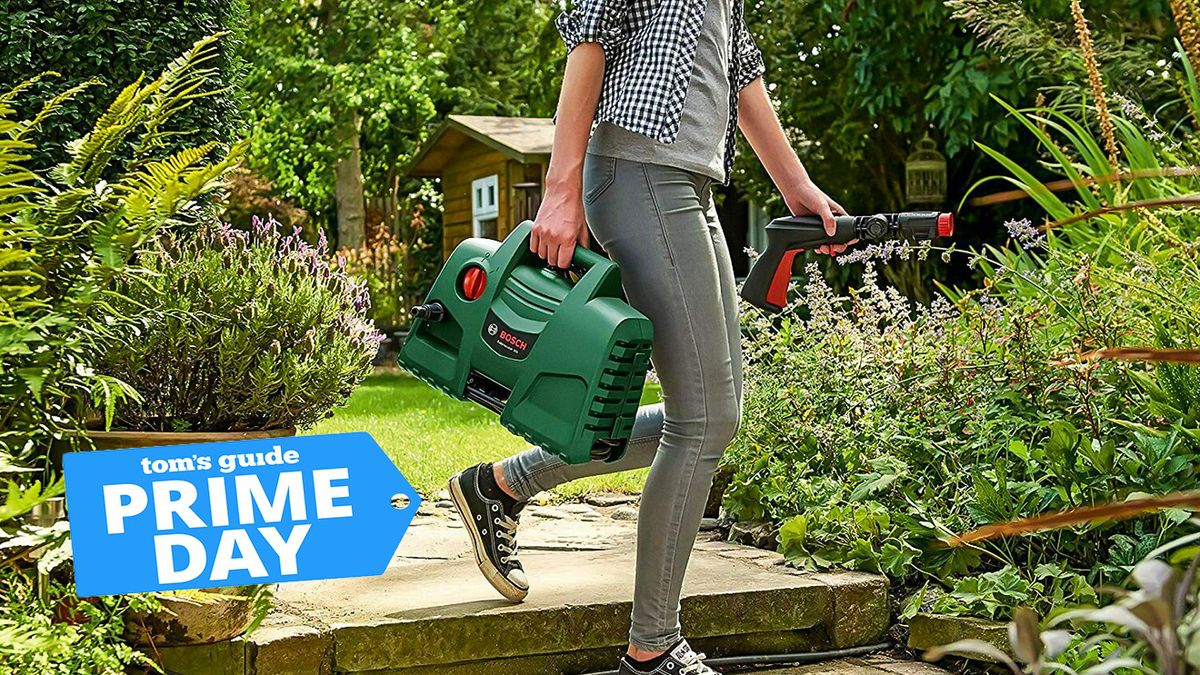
{"points": [[945, 225], [473, 281]]}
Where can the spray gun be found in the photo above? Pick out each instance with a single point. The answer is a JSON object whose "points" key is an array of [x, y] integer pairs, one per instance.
{"points": [[767, 285]]}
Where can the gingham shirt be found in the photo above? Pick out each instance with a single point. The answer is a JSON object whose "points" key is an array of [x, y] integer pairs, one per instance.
{"points": [[649, 48]]}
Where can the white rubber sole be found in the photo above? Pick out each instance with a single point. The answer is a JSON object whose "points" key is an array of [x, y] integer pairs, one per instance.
{"points": [[498, 581]]}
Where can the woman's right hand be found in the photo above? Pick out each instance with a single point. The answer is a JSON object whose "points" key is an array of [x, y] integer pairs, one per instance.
{"points": [[560, 224]]}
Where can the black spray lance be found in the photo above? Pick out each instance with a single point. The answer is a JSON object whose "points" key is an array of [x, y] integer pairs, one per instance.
{"points": [[767, 285]]}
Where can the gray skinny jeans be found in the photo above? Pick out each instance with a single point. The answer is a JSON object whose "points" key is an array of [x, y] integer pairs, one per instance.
{"points": [[660, 225]]}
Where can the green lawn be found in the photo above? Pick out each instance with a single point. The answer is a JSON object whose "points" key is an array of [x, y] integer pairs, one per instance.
{"points": [[431, 436]]}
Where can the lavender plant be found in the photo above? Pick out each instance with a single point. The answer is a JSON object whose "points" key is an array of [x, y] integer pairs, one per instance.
{"points": [[239, 330], [65, 234], [915, 421]]}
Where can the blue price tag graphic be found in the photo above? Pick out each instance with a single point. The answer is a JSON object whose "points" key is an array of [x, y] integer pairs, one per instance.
{"points": [[236, 513]]}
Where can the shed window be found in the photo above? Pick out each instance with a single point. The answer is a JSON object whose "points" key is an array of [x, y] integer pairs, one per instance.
{"points": [[485, 206]]}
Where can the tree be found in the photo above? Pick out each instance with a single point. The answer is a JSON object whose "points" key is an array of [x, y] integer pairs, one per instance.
{"points": [[336, 89], [516, 70], [860, 82], [322, 104]]}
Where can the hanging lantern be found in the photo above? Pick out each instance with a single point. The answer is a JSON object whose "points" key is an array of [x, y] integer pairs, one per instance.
{"points": [[926, 169]]}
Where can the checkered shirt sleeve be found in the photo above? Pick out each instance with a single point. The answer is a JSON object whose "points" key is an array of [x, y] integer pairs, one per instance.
{"points": [[749, 64], [593, 21]]}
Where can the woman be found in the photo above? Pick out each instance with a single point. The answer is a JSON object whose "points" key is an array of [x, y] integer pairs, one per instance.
{"points": [[668, 83]]}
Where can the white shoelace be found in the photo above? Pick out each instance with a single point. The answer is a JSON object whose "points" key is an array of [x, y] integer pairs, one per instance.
{"points": [[693, 664], [507, 532]]}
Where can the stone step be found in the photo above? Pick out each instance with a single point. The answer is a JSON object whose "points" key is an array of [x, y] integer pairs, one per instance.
{"points": [[432, 613]]}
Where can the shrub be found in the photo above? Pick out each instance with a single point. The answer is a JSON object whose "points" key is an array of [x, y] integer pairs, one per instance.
{"points": [[398, 268], [44, 626], [239, 330], [65, 234], [918, 422], [118, 41], [248, 195]]}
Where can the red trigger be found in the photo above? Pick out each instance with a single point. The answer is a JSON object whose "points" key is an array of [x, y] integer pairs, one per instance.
{"points": [[777, 294]]}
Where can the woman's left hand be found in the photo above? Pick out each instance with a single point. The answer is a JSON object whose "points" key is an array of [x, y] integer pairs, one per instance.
{"points": [[808, 199]]}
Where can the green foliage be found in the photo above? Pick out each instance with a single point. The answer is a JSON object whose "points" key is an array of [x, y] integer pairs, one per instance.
{"points": [[913, 428], [1040, 35], [514, 71], [1151, 626], [398, 269], [117, 41], [35, 638], [44, 626], [65, 234], [238, 331], [860, 83], [401, 67], [919, 422], [320, 74]]}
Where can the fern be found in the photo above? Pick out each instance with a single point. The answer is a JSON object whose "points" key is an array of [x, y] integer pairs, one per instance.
{"points": [[92, 153], [51, 107], [67, 235], [8, 97], [181, 83], [19, 501]]}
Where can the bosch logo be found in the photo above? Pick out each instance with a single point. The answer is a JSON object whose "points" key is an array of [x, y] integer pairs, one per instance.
{"points": [[513, 340], [503, 340]]}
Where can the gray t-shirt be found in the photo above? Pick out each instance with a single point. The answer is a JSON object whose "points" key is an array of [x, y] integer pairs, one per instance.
{"points": [[700, 146]]}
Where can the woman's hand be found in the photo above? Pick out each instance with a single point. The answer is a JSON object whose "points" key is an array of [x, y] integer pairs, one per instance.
{"points": [[808, 199], [559, 225]]}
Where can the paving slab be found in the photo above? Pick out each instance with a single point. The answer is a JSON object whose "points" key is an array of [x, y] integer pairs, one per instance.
{"points": [[432, 612]]}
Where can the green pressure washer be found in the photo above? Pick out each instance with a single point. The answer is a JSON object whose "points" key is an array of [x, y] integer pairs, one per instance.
{"points": [[557, 353]]}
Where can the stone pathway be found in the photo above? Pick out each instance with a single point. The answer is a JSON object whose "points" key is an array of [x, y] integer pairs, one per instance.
{"points": [[432, 612]]}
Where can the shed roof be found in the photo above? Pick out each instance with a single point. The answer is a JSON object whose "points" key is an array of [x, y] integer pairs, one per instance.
{"points": [[525, 139]]}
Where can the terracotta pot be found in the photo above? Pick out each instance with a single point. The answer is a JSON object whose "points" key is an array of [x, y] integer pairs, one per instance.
{"points": [[224, 615], [113, 440]]}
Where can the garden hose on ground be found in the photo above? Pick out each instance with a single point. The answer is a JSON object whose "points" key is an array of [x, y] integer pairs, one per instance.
{"points": [[782, 659]]}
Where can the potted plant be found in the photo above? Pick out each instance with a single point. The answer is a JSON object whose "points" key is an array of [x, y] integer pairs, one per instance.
{"points": [[228, 334]]}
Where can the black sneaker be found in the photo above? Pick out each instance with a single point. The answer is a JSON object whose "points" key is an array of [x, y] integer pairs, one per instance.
{"points": [[679, 660], [493, 535]]}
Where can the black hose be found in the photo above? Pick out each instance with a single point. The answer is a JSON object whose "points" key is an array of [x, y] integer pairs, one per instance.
{"points": [[783, 659]]}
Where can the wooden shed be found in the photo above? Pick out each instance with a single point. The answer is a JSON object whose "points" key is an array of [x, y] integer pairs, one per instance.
{"points": [[492, 171]]}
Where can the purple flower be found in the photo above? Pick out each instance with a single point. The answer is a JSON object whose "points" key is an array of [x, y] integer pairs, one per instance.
{"points": [[1024, 233]]}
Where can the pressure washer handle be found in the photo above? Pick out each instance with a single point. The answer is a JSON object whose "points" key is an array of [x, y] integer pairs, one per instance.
{"points": [[767, 285], [582, 260]]}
